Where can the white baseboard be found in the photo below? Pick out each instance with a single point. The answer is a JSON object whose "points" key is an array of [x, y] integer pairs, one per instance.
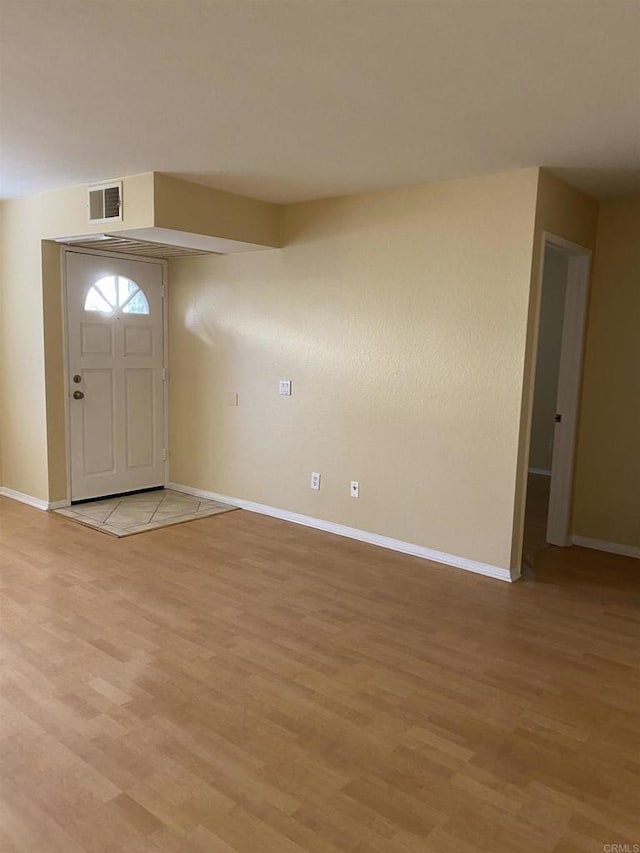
{"points": [[541, 471], [609, 547], [353, 533], [38, 503], [25, 499]]}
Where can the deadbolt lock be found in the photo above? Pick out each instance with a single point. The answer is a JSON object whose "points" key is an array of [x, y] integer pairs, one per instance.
{"points": [[77, 378]]}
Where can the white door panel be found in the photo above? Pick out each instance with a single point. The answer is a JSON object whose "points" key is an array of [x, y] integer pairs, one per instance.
{"points": [[138, 340], [96, 339], [116, 346], [139, 419], [97, 414]]}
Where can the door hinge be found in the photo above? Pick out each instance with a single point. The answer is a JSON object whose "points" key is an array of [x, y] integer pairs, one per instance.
{"points": [[164, 454], [164, 374]]}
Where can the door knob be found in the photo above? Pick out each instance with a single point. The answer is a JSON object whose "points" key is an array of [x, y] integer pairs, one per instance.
{"points": [[78, 395]]}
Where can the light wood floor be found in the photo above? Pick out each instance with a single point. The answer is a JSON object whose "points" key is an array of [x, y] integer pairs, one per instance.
{"points": [[242, 685]]}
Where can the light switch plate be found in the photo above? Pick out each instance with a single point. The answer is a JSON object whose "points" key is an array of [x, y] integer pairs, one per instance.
{"points": [[232, 398], [285, 387]]}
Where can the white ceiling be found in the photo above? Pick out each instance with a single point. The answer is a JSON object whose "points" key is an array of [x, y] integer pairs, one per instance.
{"points": [[288, 100]]}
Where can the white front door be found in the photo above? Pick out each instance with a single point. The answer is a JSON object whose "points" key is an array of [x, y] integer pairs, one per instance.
{"points": [[116, 378]]}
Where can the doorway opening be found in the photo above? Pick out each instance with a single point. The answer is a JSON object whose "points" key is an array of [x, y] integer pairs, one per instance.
{"points": [[115, 366], [554, 420]]}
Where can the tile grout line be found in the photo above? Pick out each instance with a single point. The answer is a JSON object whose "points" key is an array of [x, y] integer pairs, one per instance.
{"points": [[110, 514], [122, 501], [164, 497]]}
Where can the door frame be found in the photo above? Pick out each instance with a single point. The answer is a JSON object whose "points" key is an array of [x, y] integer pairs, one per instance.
{"points": [[574, 327], [78, 250]]}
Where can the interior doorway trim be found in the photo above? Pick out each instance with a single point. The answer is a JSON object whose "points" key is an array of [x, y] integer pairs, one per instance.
{"points": [[569, 382], [65, 350]]}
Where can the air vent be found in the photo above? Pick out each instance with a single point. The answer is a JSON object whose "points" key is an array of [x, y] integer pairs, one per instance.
{"points": [[105, 202]]}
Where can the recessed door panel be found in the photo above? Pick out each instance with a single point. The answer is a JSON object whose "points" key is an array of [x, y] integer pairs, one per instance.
{"points": [[138, 340], [139, 419], [98, 422], [96, 339]]}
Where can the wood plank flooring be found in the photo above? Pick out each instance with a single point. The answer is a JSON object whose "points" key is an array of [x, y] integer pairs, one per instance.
{"points": [[243, 685]]}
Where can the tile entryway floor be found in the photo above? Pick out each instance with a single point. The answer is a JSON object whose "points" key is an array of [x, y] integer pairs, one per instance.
{"points": [[124, 516]]}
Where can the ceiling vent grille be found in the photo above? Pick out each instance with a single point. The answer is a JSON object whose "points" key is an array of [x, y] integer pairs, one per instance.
{"points": [[105, 202], [122, 245]]}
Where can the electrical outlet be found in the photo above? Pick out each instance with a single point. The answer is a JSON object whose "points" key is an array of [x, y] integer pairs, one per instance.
{"points": [[354, 489], [315, 480], [285, 387]]}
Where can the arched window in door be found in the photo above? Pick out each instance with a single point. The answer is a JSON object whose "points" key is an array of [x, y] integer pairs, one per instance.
{"points": [[116, 293]]}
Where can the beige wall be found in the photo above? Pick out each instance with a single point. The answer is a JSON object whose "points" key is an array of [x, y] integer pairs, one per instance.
{"points": [[400, 317], [54, 370], [2, 353], [32, 420], [22, 407], [190, 207], [32, 402], [554, 289], [607, 485], [567, 213]]}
